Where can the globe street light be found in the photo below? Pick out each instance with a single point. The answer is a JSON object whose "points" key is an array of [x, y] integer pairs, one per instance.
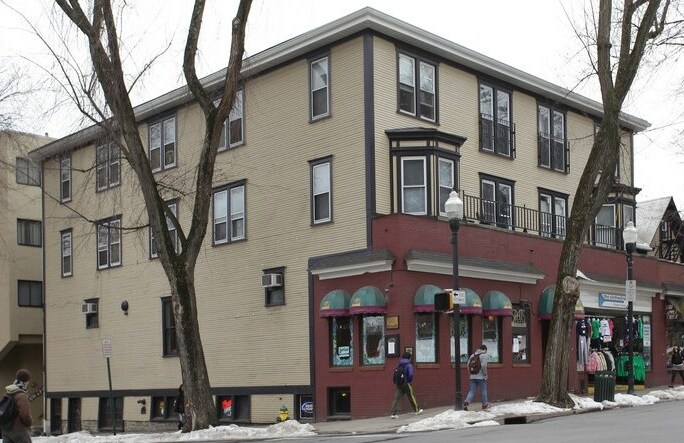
{"points": [[629, 236], [454, 211]]}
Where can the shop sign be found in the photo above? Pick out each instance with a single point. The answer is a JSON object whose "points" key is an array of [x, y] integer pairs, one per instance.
{"points": [[306, 407], [647, 335], [612, 300]]}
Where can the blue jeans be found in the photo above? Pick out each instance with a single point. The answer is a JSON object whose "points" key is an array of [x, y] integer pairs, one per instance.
{"points": [[474, 383]]}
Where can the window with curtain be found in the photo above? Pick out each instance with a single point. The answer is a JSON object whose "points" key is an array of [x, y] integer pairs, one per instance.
{"points": [[491, 337], [426, 337]]}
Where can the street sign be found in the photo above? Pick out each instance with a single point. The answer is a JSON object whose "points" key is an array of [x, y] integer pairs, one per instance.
{"points": [[459, 297], [106, 347], [630, 290]]}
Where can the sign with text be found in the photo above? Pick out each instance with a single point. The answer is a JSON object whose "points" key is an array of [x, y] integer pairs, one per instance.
{"points": [[612, 300], [459, 297], [107, 347], [630, 290]]}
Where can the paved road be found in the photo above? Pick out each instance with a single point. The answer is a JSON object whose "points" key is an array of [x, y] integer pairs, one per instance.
{"points": [[655, 423]]}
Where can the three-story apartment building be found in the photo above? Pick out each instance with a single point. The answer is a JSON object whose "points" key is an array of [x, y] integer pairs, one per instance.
{"points": [[328, 236], [21, 279]]}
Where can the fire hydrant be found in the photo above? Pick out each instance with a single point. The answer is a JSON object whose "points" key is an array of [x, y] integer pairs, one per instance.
{"points": [[283, 414]]}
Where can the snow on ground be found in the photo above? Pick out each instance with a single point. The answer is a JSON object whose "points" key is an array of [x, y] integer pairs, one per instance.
{"points": [[449, 419]]}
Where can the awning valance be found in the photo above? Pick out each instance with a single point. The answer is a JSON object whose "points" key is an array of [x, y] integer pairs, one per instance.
{"points": [[546, 305], [473, 304], [424, 300], [497, 303], [335, 304], [367, 300]]}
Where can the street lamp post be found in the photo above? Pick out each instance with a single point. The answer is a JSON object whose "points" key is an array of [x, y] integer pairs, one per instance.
{"points": [[454, 211], [629, 236]]}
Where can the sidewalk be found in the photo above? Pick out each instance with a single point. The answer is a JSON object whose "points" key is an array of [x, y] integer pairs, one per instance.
{"points": [[385, 424]]}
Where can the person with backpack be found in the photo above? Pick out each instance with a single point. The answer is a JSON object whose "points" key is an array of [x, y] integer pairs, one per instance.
{"points": [[402, 377], [477, 368], [19, 429], [677, 361]]}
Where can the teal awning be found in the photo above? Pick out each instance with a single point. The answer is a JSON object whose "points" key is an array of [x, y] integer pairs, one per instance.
{"points": [[424, 300], [546, 305], [335, 304], [497, 303], [368, 300], [473, 304]]}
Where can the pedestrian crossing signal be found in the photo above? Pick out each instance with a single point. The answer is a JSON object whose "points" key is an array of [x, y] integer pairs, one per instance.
{"points": [[443, 302]]}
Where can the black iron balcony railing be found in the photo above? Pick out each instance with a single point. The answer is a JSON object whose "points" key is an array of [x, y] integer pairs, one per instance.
{"points": [[523, 219]]}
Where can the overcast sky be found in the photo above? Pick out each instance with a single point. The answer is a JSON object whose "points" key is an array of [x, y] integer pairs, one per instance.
{"points": [[535, 36]]}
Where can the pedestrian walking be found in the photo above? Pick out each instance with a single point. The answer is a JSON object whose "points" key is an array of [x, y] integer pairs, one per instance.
{"points": [[179, 407], [677, 364], [403, 382], [477, 368], [20, 429]]}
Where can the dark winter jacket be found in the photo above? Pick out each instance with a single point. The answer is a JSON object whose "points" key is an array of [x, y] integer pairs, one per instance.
{"points": [[408, 369], [22, 422], [677, 357]]}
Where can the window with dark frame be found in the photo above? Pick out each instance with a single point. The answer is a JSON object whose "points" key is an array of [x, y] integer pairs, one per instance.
{"points": [[229, 213], [446, 179], [232, 132], [372, 340], [552, 214], [520, 325], [169, 339], [28, 173], [105, 420], [65, 179], [491, 337], [414, 185], [163, 408], [108, 166], [275, 294], [67, 252], [29, 232], [465, 323], [417, 87], [553, 145], [30, 293], [92, 319], [319, 82], [321, 191], [496, 127], [109, 242], [173, 232], [426, 337], [162, 144], [342, 352], [233, 408]]}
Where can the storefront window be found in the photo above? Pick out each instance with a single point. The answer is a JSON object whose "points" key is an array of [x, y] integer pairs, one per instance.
{"points": [[464, 322], [521, 334], [491, 337], [373, 340], [426, 338], [342, 346]]}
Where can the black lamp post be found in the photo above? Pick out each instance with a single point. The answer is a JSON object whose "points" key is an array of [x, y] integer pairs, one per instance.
{"points": [[629, 236], [454, 211]]}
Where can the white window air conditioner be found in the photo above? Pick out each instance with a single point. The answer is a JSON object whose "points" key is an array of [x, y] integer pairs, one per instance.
{"points": [[271, 280], [89, 308]]}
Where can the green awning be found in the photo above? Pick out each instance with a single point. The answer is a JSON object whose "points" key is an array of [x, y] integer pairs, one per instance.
{"points": [[424, 300], [335, 304], [497, 303], [473, 305], [546, 305], [368, 300]]}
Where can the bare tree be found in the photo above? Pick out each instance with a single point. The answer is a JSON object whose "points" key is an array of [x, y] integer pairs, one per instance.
{"points": [[619, 42], [13, 90], [98, 26]]}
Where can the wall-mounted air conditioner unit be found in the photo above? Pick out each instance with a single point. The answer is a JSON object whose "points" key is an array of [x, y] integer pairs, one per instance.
{"points": [[89, 308], [271, 280]]}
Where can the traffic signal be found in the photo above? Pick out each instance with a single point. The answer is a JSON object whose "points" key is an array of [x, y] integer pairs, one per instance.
{"points": [[443, 301]]}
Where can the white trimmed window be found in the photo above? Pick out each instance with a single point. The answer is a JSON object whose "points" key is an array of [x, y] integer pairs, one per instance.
{"points": [[321, 192], [108, 166], [65, 179], [162, 145], [28, 173], [413, 186], [109, 243], [446, 182], [320, 88], [229, 214], [67, 253]]}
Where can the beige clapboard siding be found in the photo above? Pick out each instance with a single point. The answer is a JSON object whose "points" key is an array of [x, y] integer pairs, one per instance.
{"points": [[243, 340]]}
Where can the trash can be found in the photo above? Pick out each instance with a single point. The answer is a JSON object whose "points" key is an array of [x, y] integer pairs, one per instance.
{"points": [[604, 386]]}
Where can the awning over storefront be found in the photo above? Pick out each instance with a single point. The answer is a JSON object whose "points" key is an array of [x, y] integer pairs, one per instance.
{"points": [[497, 303], [335, 304], [473, 304], [424, 300], [546, 305], [368, 300]]}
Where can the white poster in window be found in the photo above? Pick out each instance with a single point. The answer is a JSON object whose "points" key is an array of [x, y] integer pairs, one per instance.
{"points": [[516, 344], [647, 335], [391, 347], [343, 351]]}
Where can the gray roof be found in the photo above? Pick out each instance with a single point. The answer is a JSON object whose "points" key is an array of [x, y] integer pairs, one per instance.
{"points": [[349, 258], [354, 23], [474, 262]]}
